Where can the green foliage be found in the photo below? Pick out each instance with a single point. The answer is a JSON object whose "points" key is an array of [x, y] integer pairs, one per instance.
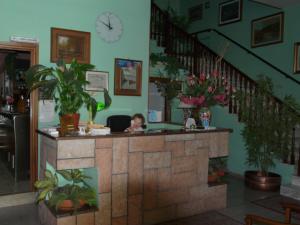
{"points": [[171, 65], [76, 190], [268, 128], [219, 163], [63, 84]]}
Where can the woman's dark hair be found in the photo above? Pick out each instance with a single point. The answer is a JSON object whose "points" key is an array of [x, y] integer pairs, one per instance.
{"points": [[139, 116]]}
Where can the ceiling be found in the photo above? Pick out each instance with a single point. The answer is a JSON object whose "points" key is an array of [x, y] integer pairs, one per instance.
{"points": [[278, 3]]}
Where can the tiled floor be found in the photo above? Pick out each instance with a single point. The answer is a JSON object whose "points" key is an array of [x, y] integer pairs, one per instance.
{"points": [[239, 203]]}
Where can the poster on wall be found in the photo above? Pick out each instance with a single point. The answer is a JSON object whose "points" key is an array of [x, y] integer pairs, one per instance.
{"points": [[296, 57], [267, 30], [230, 12], [128, 77]]}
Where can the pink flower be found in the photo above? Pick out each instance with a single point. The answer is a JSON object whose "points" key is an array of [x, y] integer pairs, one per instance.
{"points": [[191, 80], [202, 77], [199, 100], [210, 89], [215, 73], [220, 98]]}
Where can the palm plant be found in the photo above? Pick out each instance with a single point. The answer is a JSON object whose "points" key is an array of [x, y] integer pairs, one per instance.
{"points": [[268, 128]]}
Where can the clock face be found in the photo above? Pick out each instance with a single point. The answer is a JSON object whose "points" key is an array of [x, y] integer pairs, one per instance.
{"points": [[109, 27]]}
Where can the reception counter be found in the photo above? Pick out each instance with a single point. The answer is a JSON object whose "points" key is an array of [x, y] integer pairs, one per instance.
{"points": [[144, 178]]}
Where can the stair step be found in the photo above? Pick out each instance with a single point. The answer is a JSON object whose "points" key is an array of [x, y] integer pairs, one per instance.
{"points": [[296, 181], [290, 191]]}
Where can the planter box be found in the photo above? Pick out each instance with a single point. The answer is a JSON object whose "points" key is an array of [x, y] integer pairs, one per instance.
{"points": [[84, 217]]}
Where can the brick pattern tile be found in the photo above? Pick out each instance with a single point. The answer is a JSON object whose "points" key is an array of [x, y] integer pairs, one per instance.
{"points": [[119, 195], [135, 175], [86, 219], [150, 189], [103, 162], [135, 210], [120, 155], [70, 220], [157, 160], [119, 221], [66, 164], [104, 143], [147, 144], [103, 216], [68, 149], [176, 147], [172, 197], [164, 179], [180, 137]]}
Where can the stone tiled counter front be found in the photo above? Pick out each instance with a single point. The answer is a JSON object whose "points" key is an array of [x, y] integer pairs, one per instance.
{"points": [[145, 179]]}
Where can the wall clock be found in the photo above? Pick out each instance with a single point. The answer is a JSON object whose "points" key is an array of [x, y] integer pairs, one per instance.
{"points": [[109, 27]]}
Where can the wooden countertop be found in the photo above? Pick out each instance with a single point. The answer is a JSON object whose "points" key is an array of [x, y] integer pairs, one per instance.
{"points": [[150, 132]]}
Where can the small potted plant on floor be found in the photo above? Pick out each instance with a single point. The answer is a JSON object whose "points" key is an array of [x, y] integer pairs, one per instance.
{"points": [[65, 84], [73, 196], [267, 132]]}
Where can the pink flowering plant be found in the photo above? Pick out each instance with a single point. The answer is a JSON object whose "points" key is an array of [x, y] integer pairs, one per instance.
{"points": [[206, 90]]}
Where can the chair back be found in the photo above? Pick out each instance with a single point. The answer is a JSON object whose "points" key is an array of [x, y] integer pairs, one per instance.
{"points": [[118, 123]]}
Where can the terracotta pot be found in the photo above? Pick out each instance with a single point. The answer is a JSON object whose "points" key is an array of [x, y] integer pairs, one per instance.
{"points": [[212, 178], [67, 205], [258, 181], [221, 173], [69, 122]]}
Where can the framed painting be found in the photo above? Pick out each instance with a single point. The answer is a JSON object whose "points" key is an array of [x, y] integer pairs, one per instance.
{"points": [[296, 57], [128, 77], [267, 30], [230, 12], [69, 44], [98, 80]]}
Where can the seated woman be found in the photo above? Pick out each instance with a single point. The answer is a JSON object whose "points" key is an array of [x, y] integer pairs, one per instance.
{"points": [[137, 122]]}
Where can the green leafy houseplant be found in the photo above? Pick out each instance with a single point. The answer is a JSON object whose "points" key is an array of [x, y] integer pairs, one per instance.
{"points": [[65, 84], [70, 197], [268, 128]]}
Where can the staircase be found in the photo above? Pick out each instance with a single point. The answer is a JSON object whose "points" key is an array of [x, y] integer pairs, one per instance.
{"points": [[197, 58]]}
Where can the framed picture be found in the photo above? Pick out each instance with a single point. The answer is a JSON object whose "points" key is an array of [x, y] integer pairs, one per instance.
{"points": [[267, 30], [296, 57], [230, 12], [98, 80], [196, 13], [128, 77], [69, 44]]}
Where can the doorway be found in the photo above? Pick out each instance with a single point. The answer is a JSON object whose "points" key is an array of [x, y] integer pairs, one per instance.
{"points": [[18, 119]]}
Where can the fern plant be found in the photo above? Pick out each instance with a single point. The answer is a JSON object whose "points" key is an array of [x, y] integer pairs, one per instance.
{"points": [[268, 128], [76, 190]]}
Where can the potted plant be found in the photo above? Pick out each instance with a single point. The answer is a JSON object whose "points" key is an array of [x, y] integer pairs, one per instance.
{"points": [[216, 169], [65, 84], [67, 198], [267, 133]]}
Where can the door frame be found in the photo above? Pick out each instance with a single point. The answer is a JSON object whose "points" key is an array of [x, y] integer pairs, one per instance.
{"points": [[34, 58]]}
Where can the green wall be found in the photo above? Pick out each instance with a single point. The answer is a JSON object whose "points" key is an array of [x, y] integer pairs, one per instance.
{"points": [[280, 55], [34, 18]]}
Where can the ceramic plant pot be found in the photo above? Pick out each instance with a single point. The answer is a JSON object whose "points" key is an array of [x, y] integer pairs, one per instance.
{"points": [[69, 123]]}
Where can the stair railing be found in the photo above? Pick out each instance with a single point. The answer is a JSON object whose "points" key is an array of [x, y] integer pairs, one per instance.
{"points": [[197, 58]]}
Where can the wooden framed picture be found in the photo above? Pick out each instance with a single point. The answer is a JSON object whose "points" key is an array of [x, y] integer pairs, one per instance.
{"points": [[98, 80], [267, 30], [296, 57], [230, 12], [128, 77], [69, 44]]}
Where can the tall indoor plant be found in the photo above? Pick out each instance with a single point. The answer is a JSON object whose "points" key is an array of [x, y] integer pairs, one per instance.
{"points": [[65, 84], [267, 132]]}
